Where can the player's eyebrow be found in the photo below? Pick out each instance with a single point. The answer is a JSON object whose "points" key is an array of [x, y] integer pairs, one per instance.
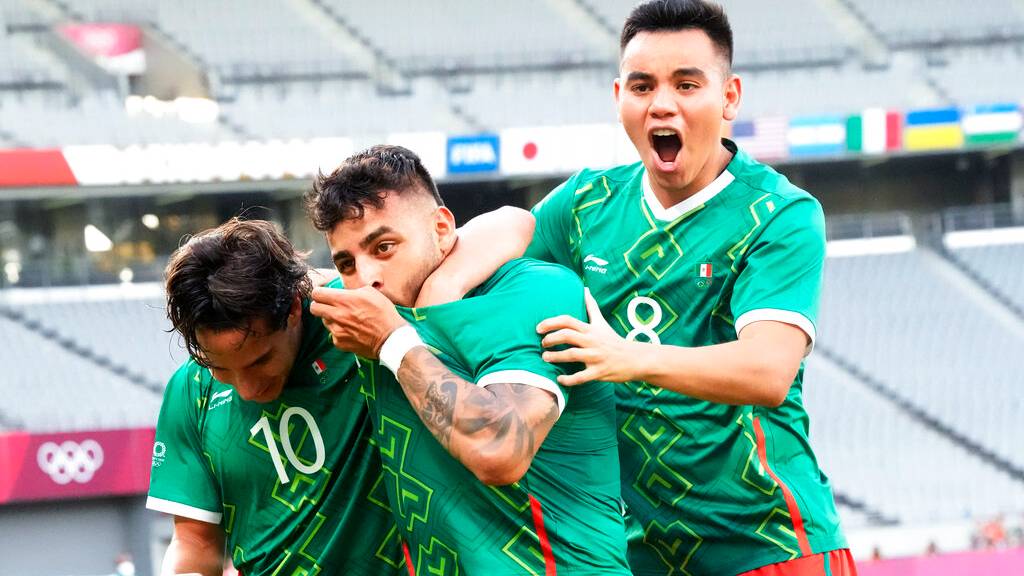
{"points": [[639, 77], [261, 358], [369, 238], [691, 72]]}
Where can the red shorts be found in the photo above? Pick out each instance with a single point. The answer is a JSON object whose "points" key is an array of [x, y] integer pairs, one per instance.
{"points": [[834, 563]]}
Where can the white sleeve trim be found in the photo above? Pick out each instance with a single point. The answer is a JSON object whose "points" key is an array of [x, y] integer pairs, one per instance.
{"points": [[524, 377], [785, 316], [179, 509]]}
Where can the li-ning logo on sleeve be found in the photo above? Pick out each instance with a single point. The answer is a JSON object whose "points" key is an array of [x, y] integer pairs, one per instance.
{"points": [[219, 399], [595, 264], [70, 461]]}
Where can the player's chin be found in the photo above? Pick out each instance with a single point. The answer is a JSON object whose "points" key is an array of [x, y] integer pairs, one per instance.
{"points": [[268, 392]]}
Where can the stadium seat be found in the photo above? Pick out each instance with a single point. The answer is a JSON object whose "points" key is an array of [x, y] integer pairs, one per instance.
{"points": [[443, 35], [899, 319], [996, 266], [924, 22], [334, 108], [51, 119], [881, 456], [131, 333], [763, 30], [48, 389]]}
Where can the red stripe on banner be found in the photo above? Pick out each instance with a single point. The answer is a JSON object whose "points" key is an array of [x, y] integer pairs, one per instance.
{"points": [[542, 535], [893, 131], [794, 511], [408, 558], [35, 168]]}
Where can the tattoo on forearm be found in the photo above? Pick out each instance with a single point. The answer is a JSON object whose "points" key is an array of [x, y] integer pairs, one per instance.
{"points": [[439, 408], [499, 415]]}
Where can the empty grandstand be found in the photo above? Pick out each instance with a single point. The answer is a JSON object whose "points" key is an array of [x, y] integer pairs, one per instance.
{"points": [[486, 68], [903, 117]]}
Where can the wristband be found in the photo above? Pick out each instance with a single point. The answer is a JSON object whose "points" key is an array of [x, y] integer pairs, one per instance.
{"points": [[397, 346]]}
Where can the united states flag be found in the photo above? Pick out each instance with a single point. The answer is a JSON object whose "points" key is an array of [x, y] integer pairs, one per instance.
{"points": [[764, 138]]}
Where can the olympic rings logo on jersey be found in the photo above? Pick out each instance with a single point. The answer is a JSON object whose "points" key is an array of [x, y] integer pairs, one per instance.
{"points": [[70, 461]]}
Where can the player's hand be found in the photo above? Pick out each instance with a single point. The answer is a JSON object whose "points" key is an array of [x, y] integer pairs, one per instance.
{"points": [[321, 276], [359, 320], [606, 355]]}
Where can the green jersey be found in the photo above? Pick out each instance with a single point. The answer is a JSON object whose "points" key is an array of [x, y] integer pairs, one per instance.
{"points": [[712, 489], [290, 481], [565, 514]]}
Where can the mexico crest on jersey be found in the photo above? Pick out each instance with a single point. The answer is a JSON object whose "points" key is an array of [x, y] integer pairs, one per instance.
{"points": [[704, 275]]}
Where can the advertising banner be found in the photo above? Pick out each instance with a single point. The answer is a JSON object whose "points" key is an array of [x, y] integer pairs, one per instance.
{"points": [[24, 167], [117, 48], [74, 464], [473, 154], [558, 149]]}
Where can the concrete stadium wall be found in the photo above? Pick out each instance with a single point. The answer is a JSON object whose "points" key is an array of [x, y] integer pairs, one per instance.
{"points": [[74, 538]]}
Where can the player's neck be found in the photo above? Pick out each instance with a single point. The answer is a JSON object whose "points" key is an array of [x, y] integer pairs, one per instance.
{"points": [[714, 168]]}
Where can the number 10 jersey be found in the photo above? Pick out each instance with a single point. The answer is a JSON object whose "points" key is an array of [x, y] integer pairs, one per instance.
{"points": [[290, 481]]}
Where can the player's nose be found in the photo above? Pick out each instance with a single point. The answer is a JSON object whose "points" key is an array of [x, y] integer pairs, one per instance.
{"points": [[247, 388], [662, 103], [369, 274]]}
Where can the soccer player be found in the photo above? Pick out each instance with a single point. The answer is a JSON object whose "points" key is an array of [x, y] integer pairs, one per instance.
{"points": [[263, 441], [707, 265], [491, 467]]}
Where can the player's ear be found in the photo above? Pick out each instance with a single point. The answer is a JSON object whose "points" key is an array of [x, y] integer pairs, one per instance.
{"points": [[733, 93], [295, 312], [616, 88], [444, 226]]}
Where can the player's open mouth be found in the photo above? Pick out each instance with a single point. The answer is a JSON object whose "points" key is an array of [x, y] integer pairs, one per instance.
{"points": [[666, 144]]}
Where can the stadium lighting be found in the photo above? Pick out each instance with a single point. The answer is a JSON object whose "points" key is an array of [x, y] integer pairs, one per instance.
{"points": [[126, 275], [197, 110], [96, 240], [12, 270], [191, 110], [976, 238], [151, 221], [870, 246]]}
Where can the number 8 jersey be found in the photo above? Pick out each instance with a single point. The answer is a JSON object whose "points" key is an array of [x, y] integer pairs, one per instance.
{"points": [[713, 489], [289, 481]]}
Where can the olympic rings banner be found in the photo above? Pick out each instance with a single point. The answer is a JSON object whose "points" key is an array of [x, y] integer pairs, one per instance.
{"points": [[74, 464]]}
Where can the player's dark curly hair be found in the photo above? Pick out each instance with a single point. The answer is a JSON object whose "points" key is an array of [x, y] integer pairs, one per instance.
{"points": [[365, 179], [227, 277], [673, 15]]}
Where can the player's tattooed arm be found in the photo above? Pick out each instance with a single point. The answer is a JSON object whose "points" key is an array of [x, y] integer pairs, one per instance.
{"points": [[495, 431]]}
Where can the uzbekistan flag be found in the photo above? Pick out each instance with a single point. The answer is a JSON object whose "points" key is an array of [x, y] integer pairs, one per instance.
{"points": [[992, 124], [934, 129], [816, 135], [874, 131], [764, 138]]}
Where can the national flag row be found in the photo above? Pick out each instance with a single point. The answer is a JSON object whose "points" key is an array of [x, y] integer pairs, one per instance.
{"points": [[877, 131]]}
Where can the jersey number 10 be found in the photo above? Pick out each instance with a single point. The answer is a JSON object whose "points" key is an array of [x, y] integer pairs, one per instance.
{"points": [[286, 443]]}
